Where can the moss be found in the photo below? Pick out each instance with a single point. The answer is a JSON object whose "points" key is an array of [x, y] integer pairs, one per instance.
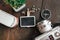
{"points": [[15, 3]]}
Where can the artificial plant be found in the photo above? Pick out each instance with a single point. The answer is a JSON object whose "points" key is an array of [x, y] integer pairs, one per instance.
{"points": [[15, 3]]}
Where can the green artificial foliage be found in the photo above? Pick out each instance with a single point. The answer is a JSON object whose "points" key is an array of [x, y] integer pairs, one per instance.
{"points": [[15, 3]]}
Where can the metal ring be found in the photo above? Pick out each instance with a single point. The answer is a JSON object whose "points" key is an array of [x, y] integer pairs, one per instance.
{"points": [[46, 14]]}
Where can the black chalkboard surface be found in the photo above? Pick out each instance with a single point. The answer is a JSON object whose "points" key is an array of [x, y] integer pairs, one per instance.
{"points": [[27, 21]]}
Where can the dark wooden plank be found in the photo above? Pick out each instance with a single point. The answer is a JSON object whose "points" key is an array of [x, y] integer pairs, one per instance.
{"points": [[18, 33], [37, 4], [54, 7]]}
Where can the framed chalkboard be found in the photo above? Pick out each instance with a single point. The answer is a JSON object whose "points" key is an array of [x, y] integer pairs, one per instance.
{"points": [[27, 21]]}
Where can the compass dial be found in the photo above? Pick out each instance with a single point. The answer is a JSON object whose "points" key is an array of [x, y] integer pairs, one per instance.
{"points": [[46, 14]]}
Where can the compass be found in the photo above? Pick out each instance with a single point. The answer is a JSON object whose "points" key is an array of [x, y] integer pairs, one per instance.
{"points": [[46, 14]]}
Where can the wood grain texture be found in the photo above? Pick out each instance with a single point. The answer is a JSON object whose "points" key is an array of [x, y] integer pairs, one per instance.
{"points": [[16, 33], [37, 4], [54, 7]]}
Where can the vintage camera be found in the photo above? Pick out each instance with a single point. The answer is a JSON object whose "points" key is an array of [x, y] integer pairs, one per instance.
{"points": [[44, 26], [54, 34]]}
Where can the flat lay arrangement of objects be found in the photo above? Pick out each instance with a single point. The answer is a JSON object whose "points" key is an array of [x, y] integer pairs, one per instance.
{"points": [[29, 20]]}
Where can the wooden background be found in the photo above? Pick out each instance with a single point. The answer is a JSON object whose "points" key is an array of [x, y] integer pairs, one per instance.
{"points": [[18, 33]]}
